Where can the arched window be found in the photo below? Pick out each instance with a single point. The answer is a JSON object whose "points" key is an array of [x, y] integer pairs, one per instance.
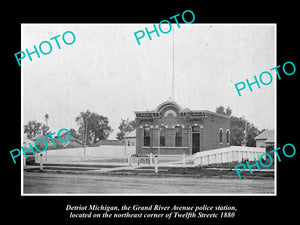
{"points": [[178, 136], [146, 136], [195, 128], [227, 136], [162, 138], [221, 135]]}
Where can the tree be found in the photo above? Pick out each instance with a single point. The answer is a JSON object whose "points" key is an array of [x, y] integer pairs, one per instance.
{"points": [[73, 132], [237, 128], [236, 135], [125, 126], [46, 118], [32, 129], [82, 122], [222, 110], [45, 130], [252, 132], [237, 132], [228, 111], [92, 127]]}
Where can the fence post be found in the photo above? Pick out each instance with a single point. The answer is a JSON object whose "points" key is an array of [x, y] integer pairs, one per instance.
{"points": [[183, 158], [24, 160], [41, 161], [156, 164], [151, 159], [129, 160]]}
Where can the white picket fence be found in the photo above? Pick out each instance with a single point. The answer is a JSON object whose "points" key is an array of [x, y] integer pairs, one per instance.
{"points": [[118, 154], [229, 154], [75, 155], [163, 159]]}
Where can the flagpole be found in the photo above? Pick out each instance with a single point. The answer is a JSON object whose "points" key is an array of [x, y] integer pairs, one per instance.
{"points": [[173, 70]]}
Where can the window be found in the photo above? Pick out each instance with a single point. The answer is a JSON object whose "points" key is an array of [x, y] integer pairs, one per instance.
{"points": [[132, 143], [227, 136], [128, 143], [178, 137], [162, 138], [221, 135], [195, 129], [146, 136]]}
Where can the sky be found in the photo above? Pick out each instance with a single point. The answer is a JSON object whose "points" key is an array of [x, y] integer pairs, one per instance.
{"points": [[107, 72]]}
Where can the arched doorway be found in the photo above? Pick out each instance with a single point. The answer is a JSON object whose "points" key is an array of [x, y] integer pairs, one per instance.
{"points": [[195, 139]]}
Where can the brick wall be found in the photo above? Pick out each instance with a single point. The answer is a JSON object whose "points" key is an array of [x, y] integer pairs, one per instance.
{"points": [[209, 133], [212, 125], [164, 150]]}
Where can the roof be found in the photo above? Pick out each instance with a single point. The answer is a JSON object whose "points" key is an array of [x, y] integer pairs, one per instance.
{"points": [[26, 142], [26, 139], [39, 136], [76, 140], [179, 108], [167, 103], [216, 114], [267, 135], [131, 134]]}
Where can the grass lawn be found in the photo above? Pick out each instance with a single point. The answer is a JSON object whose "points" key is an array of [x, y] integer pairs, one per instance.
{"points": [[231, 165], [202, 172], [207, 172]]}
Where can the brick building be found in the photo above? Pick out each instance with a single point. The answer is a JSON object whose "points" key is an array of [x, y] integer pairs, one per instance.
{"points": [[170, 129]]}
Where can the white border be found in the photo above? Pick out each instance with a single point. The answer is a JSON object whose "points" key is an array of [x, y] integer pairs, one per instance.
{"points": [[188, 194]]}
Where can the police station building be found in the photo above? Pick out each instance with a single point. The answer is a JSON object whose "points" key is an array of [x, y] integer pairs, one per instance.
{"points": [[170, 129]]}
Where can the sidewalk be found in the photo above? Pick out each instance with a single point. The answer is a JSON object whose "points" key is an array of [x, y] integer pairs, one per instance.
{"points": [[103, 167], [166, 168], [78, 168]]}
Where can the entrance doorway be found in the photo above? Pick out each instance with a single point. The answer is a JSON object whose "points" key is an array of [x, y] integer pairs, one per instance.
{"points": [[195, 142]]}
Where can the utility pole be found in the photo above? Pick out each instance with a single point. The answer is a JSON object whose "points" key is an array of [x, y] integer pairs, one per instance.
{"points": [[244, 142], [85, 137], [125, 146], [125, 137], [46, 120]]}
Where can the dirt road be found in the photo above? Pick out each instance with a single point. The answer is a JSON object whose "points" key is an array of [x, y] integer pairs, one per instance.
{"points": [[53, 183]]}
